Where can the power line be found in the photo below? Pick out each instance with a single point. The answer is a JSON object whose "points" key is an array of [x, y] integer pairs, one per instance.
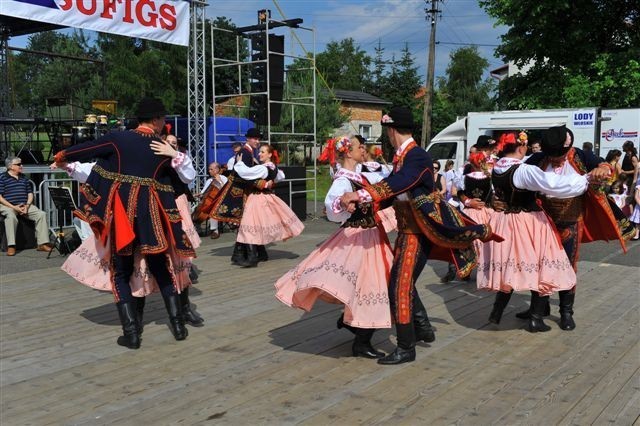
{"points": [[467, 44]]}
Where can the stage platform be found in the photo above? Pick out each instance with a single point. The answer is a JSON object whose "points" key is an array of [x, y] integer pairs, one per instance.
{"points": [[258, 362]]}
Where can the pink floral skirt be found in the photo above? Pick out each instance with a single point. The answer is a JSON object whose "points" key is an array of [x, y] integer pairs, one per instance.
{"points": [[530, 258], [350, 268], [89, 264], [481, 216], [388, 219], [187, 224], [265, 219]]}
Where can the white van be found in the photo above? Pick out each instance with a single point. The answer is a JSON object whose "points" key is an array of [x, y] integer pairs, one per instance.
{"points": [[454, 141]]}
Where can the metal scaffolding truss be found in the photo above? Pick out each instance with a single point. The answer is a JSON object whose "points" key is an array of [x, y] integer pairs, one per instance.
{"points": [[196, 92], [4, 74], [294, 137]]}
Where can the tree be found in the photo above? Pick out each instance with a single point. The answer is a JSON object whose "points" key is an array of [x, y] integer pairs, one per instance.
{"points": [[36, 77], [570, 46], [344, 65], [378, 75], [463, 87]]}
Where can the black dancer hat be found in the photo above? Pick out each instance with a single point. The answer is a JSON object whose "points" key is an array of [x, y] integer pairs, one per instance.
{"points": [[253, 133], [399, 118], [554, 139], [150, 108]]}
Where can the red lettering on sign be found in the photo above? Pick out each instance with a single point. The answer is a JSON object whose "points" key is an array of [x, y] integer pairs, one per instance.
{"points": [[66, 4], [168, 17], [87, 11], [109, 8], [127, 11], [149, 20], [148, 13]]}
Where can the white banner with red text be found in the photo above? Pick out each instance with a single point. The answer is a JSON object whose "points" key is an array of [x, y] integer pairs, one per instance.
{"points": [[160, 20]]}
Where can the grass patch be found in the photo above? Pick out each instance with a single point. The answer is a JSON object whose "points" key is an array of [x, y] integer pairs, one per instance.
{"points": [[323, 183]]}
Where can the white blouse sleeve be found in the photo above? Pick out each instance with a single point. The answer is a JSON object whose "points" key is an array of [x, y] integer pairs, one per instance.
{"points": [[250, 173], [280, 176], [332, 201], [535, 179], [80, 171], [183, 166]]}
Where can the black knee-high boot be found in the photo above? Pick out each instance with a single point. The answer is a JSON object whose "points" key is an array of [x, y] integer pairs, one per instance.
{"points": [[362, 344], [527, 313], [406, 349], [341, 324], [262, 254], [538, 304], [423, 329], [190, 316], [566, 309], [176, 316], [502, 299], [252, 257], [239, 253], [130, 329], [139, 303]]}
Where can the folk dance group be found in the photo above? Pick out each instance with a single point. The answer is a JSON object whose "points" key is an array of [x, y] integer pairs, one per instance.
{"points": [[143, 237]]}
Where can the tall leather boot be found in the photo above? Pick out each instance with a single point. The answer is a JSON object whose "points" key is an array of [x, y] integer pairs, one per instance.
{"points": [[406, 349], [262, 254], [362, 344], [130, 329], [538, 304], [239, 253], [341, 324], [423, 329], [566, 309], [252, 257], [527, 313], [140, 302], [176, 317], [502, 299], [190, 316]]}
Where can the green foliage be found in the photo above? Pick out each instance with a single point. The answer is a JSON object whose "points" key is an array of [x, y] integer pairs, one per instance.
{"points": [[573, 47], [344, 65]]}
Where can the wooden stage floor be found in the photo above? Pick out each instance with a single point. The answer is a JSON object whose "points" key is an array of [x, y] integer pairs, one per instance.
{"points": [[257, 361]]}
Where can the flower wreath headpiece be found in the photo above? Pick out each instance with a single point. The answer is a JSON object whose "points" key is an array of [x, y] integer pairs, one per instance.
{"points": [[340, 145]]}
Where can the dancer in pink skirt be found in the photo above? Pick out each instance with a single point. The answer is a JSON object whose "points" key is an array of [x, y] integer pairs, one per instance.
{"points": [[478, 192], [532, 257], [352, 266], [266, 218]]}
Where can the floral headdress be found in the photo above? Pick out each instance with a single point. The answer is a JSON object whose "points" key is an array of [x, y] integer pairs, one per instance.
{"points": [[339, 145]]}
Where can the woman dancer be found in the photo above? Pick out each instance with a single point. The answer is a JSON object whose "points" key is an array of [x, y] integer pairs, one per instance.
{"points": [[352, 266], [266, 218], [531, 257], [477, 187]]}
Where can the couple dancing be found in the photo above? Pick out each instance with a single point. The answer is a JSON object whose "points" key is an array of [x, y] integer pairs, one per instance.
{"points": [[356, 266]]}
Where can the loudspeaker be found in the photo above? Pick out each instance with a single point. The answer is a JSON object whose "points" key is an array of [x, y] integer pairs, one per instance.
{"points": [[258, 74]]}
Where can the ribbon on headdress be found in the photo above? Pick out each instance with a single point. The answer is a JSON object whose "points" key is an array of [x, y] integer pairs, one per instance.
{"points": [[506, 139], [275, 158], [478, 160]]}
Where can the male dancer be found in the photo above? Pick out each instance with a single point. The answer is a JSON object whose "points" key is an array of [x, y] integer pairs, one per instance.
{"points": [[587, 217], [427, 227], [128, 199], [229, 204]]}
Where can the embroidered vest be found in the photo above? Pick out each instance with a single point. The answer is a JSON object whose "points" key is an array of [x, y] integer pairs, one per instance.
{"points": [[517, 200]]}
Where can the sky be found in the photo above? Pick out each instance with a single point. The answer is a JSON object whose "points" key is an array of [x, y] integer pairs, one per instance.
{"points": [[393, 23]]}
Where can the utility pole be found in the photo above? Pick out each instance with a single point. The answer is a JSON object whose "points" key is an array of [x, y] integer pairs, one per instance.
{"points": [[428, 95]]}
